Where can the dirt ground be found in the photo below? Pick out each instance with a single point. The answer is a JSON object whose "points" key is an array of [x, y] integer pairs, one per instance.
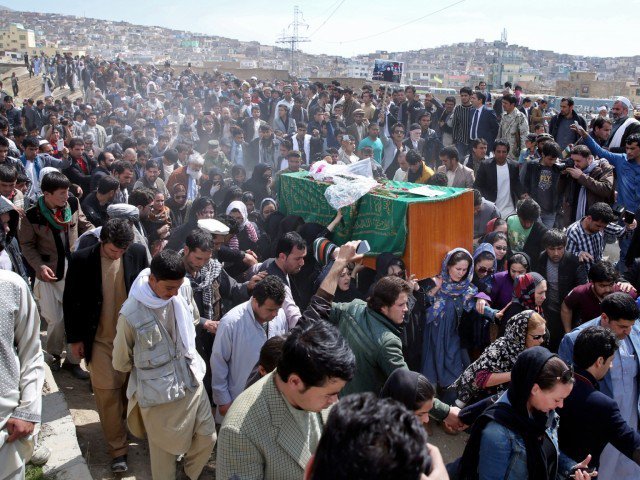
{"points": [[93, 446]]}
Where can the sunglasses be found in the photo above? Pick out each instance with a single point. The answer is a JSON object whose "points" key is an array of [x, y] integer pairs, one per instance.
{"points": [[537, 337], [567, 375], [502, 249], [484, 270]]}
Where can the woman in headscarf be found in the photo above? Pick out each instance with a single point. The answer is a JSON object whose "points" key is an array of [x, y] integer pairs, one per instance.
{"points": [[266, 208], [502, 288], [260, 182], [247, 237], [412, 390], [490, 373], [516, 438], [178, 205], [215, 186], [498, 241], [157, 224], [201, 208], [529, 293], [444, 359], [290, 223], [474, 325]]}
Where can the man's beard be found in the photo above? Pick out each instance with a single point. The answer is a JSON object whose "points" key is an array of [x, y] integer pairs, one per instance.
{"points": [[194, 174]]}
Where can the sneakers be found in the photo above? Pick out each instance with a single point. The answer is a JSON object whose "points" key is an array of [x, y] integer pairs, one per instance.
{"points": [[40, 455], [76, 370], [119, 464]]}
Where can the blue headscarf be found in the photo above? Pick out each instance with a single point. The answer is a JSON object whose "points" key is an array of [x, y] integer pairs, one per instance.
{"points": [[484, 284], [452, 296]]}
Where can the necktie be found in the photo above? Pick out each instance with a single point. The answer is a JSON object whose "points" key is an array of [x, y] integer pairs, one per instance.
{"points": [[474, 125]]}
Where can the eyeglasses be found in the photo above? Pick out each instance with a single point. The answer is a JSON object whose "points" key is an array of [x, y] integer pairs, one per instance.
{"points": [[484, 270], [502, 249], [567, 375]]}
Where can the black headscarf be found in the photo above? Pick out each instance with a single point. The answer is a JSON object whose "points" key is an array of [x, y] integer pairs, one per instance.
{"points": [[402, 385], [516, 417], [257, 184]]}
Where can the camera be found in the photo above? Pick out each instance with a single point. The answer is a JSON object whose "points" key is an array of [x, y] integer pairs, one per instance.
{"points": [[561, 166]]}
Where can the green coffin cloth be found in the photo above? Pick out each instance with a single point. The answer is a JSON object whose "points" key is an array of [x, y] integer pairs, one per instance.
{"points": [[381, 219]]}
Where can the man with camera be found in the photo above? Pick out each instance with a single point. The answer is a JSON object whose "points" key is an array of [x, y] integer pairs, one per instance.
{"points": [[583, 182]]}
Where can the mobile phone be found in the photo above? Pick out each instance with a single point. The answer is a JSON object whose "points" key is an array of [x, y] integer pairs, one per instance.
{"points": [[629, 217], [573, 471], [363, 247], [60, 144]]}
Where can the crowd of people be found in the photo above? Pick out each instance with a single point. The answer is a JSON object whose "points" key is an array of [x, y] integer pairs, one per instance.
{"points": [[141, 221]]}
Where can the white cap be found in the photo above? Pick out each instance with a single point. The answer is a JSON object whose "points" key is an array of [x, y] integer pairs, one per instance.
{"points": [[213, 226], [626, 102], [603, 107]]}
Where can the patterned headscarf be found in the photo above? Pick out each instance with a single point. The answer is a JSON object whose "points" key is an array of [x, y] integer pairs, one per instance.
{"points": [[524, 287], [499, 357], [461, 292]]}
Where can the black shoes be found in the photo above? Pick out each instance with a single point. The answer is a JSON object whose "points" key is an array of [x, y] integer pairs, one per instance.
{"points": [[76, 370], [119, 464]]}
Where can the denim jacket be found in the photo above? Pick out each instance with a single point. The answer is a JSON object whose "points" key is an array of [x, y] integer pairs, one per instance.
{"points": [[503, 455]]}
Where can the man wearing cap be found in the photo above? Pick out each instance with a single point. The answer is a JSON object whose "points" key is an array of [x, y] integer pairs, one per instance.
{"points": [[623, 125], [210, 284], [358, 129], [97, 283], [215, 158]]}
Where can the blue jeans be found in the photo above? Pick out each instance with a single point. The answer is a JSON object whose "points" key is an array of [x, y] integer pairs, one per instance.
{"points": [[549, 219], [625, 243]]}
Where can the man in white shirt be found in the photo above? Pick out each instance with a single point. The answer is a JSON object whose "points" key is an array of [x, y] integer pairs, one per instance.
{"points": [[241, 333]]}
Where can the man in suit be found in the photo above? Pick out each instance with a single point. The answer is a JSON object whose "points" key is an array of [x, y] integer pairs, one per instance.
{"points": [[619, 314], [261, 436], [591, 419], [458, 175], [238, 154], [250, 125], [97, 284], [484, 123], [498, 180]]}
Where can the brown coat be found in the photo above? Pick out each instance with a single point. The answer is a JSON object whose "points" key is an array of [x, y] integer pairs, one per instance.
{"points": [[41, 246], [599, 185], [179, 175]]}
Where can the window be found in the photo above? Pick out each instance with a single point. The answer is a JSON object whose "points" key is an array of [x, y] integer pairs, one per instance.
{"points": [[23, 37]]}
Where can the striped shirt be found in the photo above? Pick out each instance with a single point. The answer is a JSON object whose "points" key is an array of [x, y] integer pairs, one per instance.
{"points": [[579, 240], [462, 123]]}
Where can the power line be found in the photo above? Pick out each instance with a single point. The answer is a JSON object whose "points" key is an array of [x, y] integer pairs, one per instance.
{"points": [[400, 26], [327, 19]]}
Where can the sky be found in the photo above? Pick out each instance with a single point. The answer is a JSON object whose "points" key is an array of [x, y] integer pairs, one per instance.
{"points": [[351, 27]]}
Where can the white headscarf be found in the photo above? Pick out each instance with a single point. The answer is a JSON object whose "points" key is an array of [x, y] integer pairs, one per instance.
{"points": [[141, 291], [242, 208]]}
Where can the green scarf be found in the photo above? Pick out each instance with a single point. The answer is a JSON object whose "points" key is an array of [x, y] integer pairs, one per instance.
{"points": [[58, 220]]}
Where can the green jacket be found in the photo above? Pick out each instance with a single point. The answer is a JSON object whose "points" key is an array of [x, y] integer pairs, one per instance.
{"points": [[374, 340]]}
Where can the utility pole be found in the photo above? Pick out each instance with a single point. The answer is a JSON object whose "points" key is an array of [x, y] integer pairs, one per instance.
{"points": [[294, 39]]}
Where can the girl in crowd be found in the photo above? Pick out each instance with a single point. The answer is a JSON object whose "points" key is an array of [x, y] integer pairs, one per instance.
{"points": [[247, 237], [490, 373], [516, 438], [444, 359], [502, 289], [498, 241], [474, 325], [249, 201], [412, 390]]}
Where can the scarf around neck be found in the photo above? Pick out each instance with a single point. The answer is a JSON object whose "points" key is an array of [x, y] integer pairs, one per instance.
{"points": [[58, 219], [142, 292]]}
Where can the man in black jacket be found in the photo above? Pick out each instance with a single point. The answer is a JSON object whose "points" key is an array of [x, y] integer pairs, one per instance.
{"points": [[591, 419], [560, 123], [95, 204], [81, 166], [97, 284], [498, 180], [563, 271]]}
